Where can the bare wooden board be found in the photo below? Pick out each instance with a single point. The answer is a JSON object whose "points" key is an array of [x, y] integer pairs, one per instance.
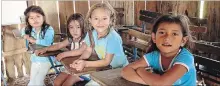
{"points": [[111, 78], [140, 35]]}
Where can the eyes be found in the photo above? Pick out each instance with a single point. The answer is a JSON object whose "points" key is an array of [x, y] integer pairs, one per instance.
{"points": [[72, 27], [35, 17], [172, 33], [105, 18]]}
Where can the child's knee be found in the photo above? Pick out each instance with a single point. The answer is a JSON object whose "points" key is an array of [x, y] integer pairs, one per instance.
{"points": [[57, 82]]}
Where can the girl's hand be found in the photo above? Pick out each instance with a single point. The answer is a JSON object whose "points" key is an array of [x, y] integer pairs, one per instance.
{"points": [[60, 56], [40, 51], [26, 36], [79, 65]]}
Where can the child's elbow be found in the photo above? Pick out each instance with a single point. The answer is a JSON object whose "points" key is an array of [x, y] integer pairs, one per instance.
{"points": [[123, 72]]}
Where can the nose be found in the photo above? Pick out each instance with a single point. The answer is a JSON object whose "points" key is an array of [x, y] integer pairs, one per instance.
{"points": [[167, 37], [74, 30], [35, 19], [99, 21]]}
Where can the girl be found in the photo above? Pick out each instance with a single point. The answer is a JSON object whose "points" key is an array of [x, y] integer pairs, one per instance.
{"points": [[107, 42], [37, 31], [76, 34], [171, 62]]}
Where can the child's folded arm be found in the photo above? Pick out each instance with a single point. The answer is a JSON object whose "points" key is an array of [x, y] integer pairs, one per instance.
{"points": [[129, 72], [167, 78]]}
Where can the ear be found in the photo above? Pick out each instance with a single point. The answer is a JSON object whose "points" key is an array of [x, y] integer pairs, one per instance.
{"points": [[184, 40], [153, 36]]}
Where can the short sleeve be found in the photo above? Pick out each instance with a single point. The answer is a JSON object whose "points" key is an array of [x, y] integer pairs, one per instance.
{"points": [[70, 40], [114, 46], [151, 58], [185, 59], [48, 38], [22, 32]]}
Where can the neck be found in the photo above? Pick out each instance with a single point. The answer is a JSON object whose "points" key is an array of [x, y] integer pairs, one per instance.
{"points": [[102, 34], [37, 29], [169, 55], [76, 39]]}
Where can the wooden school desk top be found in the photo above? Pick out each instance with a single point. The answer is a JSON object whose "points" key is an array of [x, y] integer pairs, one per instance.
{"points": [[111, 78], [34, 47]]}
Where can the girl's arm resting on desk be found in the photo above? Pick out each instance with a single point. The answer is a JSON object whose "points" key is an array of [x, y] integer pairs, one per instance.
{"points": [[79, 65], [87, 53], [58, 45], [100, 63], [129, 72], [167, 78], [72, 52], [52, 47]]}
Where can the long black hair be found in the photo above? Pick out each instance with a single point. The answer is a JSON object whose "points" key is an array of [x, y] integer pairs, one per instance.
{"points": [[28, 27], [76, 17], [182, 20]]}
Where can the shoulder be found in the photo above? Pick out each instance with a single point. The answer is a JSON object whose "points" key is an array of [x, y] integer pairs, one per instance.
{"points": [[152, 54], [185, 53], [113, 35], [50, 28]]}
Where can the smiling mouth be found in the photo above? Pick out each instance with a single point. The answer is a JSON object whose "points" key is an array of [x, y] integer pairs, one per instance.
{"points": [[36, 23], [166, 45], [100, 26]]}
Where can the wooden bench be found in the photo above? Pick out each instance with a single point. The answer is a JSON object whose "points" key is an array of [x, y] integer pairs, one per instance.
{"points": [[206, 67]]}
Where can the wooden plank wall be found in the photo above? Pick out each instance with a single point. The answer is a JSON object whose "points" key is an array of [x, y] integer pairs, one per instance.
{"points": [[128, 18], [213, 15], [65, 10], [211, 12], [82, 7], [50, 9]]}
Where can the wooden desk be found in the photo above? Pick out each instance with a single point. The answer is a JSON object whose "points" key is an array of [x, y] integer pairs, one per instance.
{"points": [[69, 60], [112, 78], [34, 47], [66, 61]]}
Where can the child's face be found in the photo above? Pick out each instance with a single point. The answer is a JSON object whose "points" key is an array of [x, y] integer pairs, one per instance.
{"points": [[35, 19], [100, 20], [169, 37], [75, 29]]}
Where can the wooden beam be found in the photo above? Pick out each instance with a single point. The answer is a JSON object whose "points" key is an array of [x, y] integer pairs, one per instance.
{"points": [[14, 52], [147, 19], [197, 21], [198, 29], [138, 35], [150, 14], [139, 45]]}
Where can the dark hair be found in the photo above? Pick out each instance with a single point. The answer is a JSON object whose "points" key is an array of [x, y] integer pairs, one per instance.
{"points": [[28, 28], [78, 17], [182, 20]]}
